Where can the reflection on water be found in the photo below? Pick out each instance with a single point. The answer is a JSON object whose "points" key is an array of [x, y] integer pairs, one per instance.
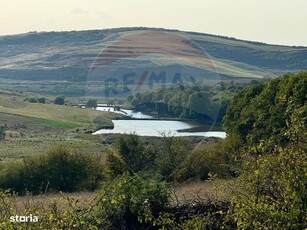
{"points": [[156, 128], [127, 112]]}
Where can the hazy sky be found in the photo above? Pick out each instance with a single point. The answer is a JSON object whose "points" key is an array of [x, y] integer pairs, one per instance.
{"points": [[271, 21]]}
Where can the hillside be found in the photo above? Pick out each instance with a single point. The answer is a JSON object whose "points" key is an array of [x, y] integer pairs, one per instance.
{"points": [[78, 63]]}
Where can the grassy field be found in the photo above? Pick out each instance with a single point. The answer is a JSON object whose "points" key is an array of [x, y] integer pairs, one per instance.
{"points": [[32, 128]]}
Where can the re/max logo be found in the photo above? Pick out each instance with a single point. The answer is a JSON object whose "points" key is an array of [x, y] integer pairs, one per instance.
{"points": [[134, 82]]}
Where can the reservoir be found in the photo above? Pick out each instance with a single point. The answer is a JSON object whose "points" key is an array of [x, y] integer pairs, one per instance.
{"points": [[155, 128]]}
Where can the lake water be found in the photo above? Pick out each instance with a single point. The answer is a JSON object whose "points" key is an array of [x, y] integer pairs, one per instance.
{"points": [[152, 127], [126, 112]]}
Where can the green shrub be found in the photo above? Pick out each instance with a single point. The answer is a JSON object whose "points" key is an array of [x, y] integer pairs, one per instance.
{"points": [[2, 132], [115, 166], [59, 169], [222, 158], [32, 100], [59, 100], [41, 100], [171, 152], [123, 202], [132, 151], [91, 103], [272, 191]]}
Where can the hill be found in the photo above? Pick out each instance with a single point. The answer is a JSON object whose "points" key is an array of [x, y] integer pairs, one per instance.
{"points": [[81, 62]]}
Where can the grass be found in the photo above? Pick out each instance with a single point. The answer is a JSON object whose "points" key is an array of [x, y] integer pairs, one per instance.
{"points": [[181, 194], [189, 192], [22, 202], [33, 128], [58, 116]]}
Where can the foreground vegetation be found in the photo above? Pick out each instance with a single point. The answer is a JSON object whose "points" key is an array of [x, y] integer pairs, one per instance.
{"points": [[262, 164]]}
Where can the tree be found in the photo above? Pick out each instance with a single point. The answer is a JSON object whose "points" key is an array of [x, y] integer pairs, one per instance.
{"points": [[172, 151], [41, 100], [32, 100], [91, 103], [272, 192], [260, 112], [2, 132], [59, 100], [125, 202], [132, 151]]}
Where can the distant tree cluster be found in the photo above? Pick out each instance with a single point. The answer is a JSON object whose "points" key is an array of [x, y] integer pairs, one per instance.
{"points": [[204, 102], [36, 100]]}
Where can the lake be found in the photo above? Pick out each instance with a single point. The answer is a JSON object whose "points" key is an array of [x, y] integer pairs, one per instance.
{"points": [[155, 128]]}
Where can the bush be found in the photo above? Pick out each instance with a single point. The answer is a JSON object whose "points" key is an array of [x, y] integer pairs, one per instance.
{"points": [[115, 166], [171, 152], [132, 151], [91, 103], [162, 157], [124, 202], [222, 158], [51, 214], [32, 100], [272, 192], [41, 100], [59, 169], [2, 132], [59, 100]]}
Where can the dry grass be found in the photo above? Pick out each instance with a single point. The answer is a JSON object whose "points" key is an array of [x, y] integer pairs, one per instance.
{"points": [[217, 190], [44, 200], [181, 194]]}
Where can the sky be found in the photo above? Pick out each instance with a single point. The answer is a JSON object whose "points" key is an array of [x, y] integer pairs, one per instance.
{"points": [[270, 21]]}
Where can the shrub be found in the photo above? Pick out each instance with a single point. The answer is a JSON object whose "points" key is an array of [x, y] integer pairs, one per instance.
{"points": [[171, 152], [2, 132], [59, 169], [59, 100], [272, 192], [222, 158], [115, 166], [50, 214], [91, 103], [132, 151], [32, 100], [123, 202], [41, 100]]}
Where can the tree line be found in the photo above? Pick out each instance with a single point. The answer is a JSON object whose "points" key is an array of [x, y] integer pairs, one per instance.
{"points": [[204, 102]]}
